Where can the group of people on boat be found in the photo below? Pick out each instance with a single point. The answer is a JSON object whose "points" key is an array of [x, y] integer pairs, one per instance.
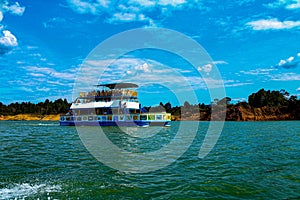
{"points": [[110, 93]]}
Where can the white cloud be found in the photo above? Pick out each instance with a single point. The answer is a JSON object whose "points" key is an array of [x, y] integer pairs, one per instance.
{"points": [[272, 24], [26, 89], [54, 22], [282, 62], [173, 3], [258, 71], [208, 67], [43, 89], [127, 17], [293, 5], [117, 11], [83, 7], [132, 10], [122, 67], [285, 77], [236, 84], [137, 70], [37, 75], [290, 59], [143, 68], [205, 68], [298, 54], [273, 73], [298, 89], [8, 39], [213, 83], [147, 71], [15, 9], [290, 62], [44, 80], [287, 4], [1, 16], [49, 72], [220, 62], [144, 3]]}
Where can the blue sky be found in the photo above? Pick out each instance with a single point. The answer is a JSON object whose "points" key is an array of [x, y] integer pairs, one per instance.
{"points": [[254, 44]]}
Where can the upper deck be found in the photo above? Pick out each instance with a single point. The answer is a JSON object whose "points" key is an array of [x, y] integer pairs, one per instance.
{"points": [[109, 95], [111, 91]]}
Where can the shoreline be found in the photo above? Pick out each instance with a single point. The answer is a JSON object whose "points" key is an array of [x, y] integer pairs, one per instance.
{"points": [[29, 117], [52, 117]]}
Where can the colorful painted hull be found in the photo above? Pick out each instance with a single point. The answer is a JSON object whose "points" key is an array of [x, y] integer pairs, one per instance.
{"points": [[142, 120]]}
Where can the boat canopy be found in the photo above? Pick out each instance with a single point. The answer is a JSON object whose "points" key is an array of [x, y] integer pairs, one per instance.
{"points": [[119, 85]]}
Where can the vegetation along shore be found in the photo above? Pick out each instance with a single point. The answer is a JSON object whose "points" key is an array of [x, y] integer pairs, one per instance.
{"points": [[264, 105]]}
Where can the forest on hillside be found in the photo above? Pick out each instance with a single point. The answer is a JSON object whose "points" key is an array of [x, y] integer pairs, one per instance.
{"points": [[47, 107], [262, 105]]}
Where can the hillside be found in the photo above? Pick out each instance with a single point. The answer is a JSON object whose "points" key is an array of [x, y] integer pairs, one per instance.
{"points": [[30, 117], [264, 105]]}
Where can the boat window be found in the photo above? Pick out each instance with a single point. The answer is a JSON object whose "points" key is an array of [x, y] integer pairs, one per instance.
{"points": [[158, 117], [151, 117], [135, 117], [121, 117], [143, 117], [90, 118]]}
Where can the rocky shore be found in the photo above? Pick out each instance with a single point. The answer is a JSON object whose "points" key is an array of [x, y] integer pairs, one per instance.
{"points": [[233, 113], [240, 113], [243, 113], [30, 117]]}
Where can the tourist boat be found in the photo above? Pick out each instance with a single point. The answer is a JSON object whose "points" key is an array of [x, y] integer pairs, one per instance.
{"points": [[112, 105]]}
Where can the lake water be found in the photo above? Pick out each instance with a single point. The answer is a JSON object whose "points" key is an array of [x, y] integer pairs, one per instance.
{"points": [[251, 160]]}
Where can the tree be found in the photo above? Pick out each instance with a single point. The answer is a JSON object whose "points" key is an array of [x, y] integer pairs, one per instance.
{"points": [[268, 98], [168, 107]]}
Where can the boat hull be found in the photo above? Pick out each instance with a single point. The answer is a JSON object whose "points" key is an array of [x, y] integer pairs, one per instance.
{"points": [[129, 124], [142, 121]]}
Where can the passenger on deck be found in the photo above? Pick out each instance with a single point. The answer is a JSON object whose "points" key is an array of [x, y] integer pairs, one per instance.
{"points": [[69, 112]]}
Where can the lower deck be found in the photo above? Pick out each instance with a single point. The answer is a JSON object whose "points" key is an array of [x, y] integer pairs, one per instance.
{"points": [[151, 119]]}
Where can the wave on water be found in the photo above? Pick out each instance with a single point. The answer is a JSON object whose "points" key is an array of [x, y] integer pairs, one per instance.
{"points": [[44, 124], [21, 191]]}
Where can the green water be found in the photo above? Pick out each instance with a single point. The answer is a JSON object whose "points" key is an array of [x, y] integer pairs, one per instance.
{"points": [[251, 160]]}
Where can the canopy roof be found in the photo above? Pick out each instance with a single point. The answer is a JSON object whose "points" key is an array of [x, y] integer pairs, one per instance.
{"points": [[119, 85]]}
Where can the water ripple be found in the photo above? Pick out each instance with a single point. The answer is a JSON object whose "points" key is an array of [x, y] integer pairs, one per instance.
{"points": [[251, 160]]}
